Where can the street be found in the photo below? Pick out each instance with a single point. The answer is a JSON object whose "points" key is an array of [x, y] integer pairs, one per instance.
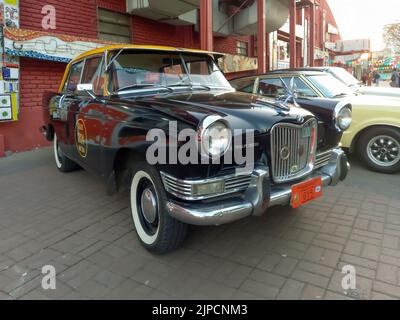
{"points": [[68, 221]]}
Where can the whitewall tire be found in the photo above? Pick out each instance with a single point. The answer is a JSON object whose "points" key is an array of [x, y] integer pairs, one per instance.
{"points": [[156, 229], [63, 163]]}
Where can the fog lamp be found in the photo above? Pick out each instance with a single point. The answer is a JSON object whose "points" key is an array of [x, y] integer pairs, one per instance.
{"points": [[204, 189]]}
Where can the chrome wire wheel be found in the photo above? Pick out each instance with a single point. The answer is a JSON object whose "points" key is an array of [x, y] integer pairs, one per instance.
{"points": [[384, 151]]}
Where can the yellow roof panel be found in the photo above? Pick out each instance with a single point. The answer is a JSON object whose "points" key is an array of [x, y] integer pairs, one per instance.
{"points": [[142, 47]]}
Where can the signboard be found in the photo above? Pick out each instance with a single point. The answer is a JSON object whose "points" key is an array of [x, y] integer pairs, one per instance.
{"points": [[330, 45], [332, 29]]}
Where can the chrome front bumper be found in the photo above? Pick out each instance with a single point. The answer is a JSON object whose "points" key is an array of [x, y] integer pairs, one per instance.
{"points": [[257, 198]]}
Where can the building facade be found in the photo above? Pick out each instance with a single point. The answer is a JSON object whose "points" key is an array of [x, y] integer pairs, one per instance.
{"points": [[43, 35]]}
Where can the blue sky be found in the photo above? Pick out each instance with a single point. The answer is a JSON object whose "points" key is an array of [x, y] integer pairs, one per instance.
{"points": [[365, 18]]}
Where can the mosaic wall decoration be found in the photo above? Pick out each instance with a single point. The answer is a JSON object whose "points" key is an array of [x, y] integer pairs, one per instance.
{"points": [[47, 46], [9, 75], [236, 63]]}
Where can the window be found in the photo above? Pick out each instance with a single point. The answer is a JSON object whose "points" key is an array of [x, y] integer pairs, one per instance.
{"points": [[243, 85], [303, 90], [135, 70], [242, 48], [114, 26], [274, 87], [271, 87], [74, 77], [330, 86], [93, 74]]}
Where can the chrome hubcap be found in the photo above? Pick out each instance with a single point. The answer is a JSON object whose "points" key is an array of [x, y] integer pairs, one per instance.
{"points": [[384, 151], [149, 205]]}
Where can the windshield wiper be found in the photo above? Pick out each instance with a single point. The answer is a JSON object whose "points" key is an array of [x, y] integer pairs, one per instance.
{"points": [[190, 85], [340, 95], [144, 86]]}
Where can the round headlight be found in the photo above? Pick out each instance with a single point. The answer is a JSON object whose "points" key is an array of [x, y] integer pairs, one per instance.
{"points": [[344, 118], [216, 139]]}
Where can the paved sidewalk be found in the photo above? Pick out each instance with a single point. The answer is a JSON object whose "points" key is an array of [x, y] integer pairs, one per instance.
{"points": [[68, 221]]}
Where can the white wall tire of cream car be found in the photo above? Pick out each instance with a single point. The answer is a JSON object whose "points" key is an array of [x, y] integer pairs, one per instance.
{"points": [[62, 162], [156, 229], [379, 149]]}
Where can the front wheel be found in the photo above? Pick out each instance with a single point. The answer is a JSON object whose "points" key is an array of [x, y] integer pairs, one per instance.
{"points": [[379, 149], [157, 230], [62, 162]]}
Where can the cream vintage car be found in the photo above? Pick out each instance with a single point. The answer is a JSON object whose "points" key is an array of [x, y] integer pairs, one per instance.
{"points": [[357, 86], [374, 135]]}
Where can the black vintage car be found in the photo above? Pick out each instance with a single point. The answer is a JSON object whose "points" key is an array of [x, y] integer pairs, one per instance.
{"points": [[120, 112]]}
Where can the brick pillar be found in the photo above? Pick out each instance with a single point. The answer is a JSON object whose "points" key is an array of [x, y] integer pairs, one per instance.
{"points": [[206, 25], [268, 50], [293, 16], [2, 147], [312, 35], [261, 37]]}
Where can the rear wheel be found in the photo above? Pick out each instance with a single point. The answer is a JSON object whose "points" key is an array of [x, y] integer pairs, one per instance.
{"points": [[379, 149], [156, 229], [62, 162]]}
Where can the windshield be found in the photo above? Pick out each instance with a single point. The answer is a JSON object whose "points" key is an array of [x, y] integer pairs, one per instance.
{"points": [[344, 76], [330, 86], [140, 70]]}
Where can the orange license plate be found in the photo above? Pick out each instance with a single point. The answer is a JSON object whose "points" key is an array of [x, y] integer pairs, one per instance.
{"points": [[306, 192]]}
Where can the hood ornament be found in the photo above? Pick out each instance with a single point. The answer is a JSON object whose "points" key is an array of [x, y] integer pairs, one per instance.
{"points": [[282, 102]]}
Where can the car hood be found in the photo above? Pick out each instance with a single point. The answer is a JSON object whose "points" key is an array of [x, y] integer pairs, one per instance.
{"points": [[387, 92], [241, 110], [374, 100]]}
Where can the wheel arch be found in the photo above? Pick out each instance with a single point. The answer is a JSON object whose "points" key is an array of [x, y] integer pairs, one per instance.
{"points": [[366, 129], [119, 179]]}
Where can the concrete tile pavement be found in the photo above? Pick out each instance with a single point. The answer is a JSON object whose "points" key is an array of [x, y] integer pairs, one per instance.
{"points": [[68, 221]]}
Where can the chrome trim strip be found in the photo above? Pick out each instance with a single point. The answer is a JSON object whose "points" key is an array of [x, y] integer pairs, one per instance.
{"points": [[322, 158]]}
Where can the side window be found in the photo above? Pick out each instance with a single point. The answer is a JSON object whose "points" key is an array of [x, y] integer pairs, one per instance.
{"points": [[74, 77], [244, 85], [303, 90], [271, 87], [93, 74]]}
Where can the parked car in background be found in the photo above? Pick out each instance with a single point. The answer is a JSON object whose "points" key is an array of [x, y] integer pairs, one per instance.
{"points": [[375, 132], [353, 83], [112, 97]]}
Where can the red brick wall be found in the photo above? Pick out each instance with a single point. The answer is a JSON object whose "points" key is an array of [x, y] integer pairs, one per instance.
{"points": [[146, 31], [72, 17], [36, 78], [113, 5], [229, 45]]}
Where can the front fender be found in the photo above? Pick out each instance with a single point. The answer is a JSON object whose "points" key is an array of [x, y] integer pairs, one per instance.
{"points": [[359, 126]]}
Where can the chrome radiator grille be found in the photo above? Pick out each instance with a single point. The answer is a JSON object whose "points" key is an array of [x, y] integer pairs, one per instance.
{"points": [[292, 150]]}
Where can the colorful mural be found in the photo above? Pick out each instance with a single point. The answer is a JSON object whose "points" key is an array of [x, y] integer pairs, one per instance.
{"points": [[235, 63], [47, 46]]}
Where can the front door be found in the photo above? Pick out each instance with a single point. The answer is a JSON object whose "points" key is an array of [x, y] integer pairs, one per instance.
{"points": [[90, 116]]}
